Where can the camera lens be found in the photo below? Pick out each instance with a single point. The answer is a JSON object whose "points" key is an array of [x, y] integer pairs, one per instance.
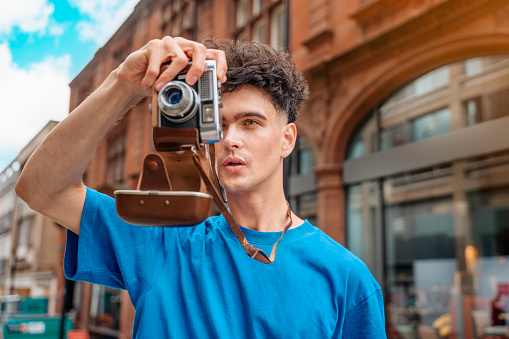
{"points": [[178, 101], [174, 96]]}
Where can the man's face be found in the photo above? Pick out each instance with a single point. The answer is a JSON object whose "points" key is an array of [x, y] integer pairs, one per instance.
{"points": [[256, 138]]}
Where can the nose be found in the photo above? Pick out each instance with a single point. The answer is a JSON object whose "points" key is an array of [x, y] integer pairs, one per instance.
{"points": [[231, 138]]}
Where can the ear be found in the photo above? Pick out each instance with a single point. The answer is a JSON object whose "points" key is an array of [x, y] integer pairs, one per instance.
{"points": [[289, 139]]}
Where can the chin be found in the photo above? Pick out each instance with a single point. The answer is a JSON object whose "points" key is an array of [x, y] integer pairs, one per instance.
{"points": [[236, 188]]}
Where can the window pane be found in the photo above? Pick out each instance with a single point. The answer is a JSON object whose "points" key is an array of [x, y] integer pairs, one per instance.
{"points": [[259, 31], [302, 159], [242, 10], [257, 6], [431, 124], [443, 121], [361, 220], [278, 28], [362, 142]]}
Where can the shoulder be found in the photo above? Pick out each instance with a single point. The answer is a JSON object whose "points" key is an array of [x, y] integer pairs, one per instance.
{"points": [[344, 267], [322, 247]]}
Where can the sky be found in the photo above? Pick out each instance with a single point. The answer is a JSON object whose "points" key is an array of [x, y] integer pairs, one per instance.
{"points": [[44, 44]]}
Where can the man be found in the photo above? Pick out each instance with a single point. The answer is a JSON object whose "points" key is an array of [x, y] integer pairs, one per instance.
{"points": [[197, 282]]}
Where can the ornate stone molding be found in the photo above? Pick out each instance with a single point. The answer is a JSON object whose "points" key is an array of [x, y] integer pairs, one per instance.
{"points": [[429, 25], [371, 10]]}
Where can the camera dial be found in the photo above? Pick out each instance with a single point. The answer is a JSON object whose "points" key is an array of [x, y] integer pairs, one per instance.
{"points": [[178, 101]]}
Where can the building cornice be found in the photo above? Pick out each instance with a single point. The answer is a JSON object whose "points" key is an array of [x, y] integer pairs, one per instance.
{"points": [[415, 31]]}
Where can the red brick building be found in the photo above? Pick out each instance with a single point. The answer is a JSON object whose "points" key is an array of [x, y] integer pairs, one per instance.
{"points": [[402, 156]]}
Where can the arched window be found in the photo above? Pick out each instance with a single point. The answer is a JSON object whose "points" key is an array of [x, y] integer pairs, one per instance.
{"points": [[427, 195]]}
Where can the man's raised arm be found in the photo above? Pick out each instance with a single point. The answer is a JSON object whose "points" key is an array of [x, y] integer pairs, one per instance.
{"points": [[51, 181]]}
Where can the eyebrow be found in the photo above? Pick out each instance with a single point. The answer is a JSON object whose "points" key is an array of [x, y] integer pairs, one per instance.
{"points": [[246, 114]]}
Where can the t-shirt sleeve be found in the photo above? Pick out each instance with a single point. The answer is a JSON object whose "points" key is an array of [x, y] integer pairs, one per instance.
{"points": [[113, 253], [366, 319]]}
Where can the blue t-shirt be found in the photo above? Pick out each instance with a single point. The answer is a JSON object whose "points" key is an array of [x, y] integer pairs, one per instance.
{"points": [[198, 282]]}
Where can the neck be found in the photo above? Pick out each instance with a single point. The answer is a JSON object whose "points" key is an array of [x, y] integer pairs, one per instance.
{"points": [[261, 212]]}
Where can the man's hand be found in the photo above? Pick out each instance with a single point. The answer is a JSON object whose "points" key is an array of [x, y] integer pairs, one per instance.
{"points": [[51, 182], [141, 68]]}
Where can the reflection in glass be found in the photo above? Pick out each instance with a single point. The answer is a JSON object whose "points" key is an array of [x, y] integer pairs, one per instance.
{"points": [[431, 105], [443, 230], [431, 124]]}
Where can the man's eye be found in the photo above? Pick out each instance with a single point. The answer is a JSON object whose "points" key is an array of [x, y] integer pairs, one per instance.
{"points": [[251, 122]]}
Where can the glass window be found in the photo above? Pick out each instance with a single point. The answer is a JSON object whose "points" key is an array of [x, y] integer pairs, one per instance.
{"points": [[473, 66], [176, 5], [447, 242], [431, 81], [167, 12], [242, 12], [488, 106], [259, 31], [302, 160], [188, 14], [362, 207], [278, 27], [301, 186], [357, 149], [427, 83], [116, 158], [176, 26], [480, 65], [431, 124], [443, 231], [394, 136], [257, 6], [23, 247], [362, 142], [241, 37], [473, 111], [305, 206]]}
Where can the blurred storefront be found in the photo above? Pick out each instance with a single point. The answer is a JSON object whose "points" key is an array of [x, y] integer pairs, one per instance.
{"points": [[436, 201], [403, 151]]}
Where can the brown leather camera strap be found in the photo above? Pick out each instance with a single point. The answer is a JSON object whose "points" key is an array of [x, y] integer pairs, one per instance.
{"points": [[252, 251], [215, 179]]}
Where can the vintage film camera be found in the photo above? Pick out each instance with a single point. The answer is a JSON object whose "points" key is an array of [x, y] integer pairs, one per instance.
{"points": [[182, 106], [170, 189]]}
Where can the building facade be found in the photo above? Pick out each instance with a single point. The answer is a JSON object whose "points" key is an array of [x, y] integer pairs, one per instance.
{"points": [[402, 151], [30, 244]]}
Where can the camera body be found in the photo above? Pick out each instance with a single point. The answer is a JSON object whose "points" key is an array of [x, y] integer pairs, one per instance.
{"points": [[170, 189], [192, 107]]}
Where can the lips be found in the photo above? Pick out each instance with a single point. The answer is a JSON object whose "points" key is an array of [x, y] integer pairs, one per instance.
{"points": [[233, 161], [234, 164]]}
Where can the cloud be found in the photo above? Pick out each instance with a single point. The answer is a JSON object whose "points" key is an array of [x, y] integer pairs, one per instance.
{"points": [[103, 18], [30, 98], [29, 16]]}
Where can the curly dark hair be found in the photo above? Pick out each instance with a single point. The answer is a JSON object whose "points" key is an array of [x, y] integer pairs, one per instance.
{"points": [[268, 69]]}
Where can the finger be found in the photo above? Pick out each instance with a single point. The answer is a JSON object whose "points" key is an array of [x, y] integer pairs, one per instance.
{"points": [[179, 60], [197, 54], [222, 67], [153, 55]]}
